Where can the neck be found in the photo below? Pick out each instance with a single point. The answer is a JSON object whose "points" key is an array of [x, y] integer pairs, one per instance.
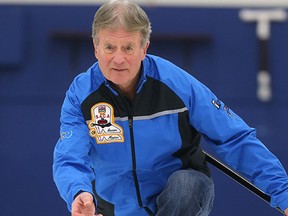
{"points": [[129, 91]]}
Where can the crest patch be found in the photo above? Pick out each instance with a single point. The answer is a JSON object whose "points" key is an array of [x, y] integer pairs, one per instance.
{"points": [[102, 126]]}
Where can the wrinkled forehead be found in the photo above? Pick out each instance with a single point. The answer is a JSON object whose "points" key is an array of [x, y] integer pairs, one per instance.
{"points": [[118, 36]]}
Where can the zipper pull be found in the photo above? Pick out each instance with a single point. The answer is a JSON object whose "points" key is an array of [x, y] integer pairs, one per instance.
{"points": [[130, 121]]}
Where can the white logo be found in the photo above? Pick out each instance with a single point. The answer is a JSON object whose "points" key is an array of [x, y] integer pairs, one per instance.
{"points": [[102, 125], [66, 135]]}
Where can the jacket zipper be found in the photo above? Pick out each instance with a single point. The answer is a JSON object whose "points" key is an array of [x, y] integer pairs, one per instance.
{"points": [[130, 109], [133, 153], [130, 120]]}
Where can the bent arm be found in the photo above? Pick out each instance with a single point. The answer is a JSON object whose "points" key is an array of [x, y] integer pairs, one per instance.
{"points": [[235, 143]]}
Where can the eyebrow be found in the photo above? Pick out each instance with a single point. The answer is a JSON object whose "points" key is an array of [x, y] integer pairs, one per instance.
{"points": [[131, 43]]}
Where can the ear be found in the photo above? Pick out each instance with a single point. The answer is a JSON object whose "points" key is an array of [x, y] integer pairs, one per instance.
{"points": [[95, 49], [145, 48]]}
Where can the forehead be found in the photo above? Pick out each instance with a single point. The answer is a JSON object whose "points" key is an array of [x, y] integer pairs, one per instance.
{"points": [[119, 35]]}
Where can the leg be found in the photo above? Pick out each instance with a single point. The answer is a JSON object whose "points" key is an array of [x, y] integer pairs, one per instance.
{"points": [[187, 193]]}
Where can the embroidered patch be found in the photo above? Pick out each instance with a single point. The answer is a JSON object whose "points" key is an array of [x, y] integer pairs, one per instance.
{"points": [[102, 126], [217, 103]]}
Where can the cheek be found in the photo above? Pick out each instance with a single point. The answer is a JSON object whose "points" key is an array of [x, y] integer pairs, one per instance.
{"points": [[103, 59], [104, 66], [100, 55]]}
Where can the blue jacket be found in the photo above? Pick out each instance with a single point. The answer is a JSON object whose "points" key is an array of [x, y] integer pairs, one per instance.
{"points": [[123, 152]]}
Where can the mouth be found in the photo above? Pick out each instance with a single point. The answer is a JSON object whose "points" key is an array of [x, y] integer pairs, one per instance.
{"points": [[119, 69]]}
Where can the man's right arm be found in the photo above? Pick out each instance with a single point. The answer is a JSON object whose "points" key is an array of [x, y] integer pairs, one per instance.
{"points": [[71, 164]]}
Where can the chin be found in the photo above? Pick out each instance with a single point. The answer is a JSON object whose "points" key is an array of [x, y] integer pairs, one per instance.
{"points": [[119, 82]]}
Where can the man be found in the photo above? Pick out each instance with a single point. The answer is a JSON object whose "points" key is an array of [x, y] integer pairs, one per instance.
{"points": [[131, 127]]}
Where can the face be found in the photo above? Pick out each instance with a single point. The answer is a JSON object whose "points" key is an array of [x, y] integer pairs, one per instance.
{"points": [[119, 55]]}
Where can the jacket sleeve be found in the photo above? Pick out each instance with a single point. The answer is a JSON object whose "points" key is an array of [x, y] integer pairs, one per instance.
{"points": [[72, 171], [235, 143]]}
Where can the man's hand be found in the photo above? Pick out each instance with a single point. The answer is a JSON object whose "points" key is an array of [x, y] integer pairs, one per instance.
{"points": [[286, 212], [83, 205]]}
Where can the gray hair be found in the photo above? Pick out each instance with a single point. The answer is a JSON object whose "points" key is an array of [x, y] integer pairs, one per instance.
{"points": [[122, 13]]}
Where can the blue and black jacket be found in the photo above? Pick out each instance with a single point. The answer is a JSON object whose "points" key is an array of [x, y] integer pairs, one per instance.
{"points": [[123, 152]]}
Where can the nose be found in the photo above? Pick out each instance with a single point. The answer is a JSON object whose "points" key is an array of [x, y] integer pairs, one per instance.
{"points": [[119, 57]]}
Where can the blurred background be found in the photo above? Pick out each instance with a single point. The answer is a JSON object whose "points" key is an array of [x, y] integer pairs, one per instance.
{"points": [[45, 44]]}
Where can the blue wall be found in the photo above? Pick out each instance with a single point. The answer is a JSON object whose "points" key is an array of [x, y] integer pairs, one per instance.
{"points": [[42, 48]]}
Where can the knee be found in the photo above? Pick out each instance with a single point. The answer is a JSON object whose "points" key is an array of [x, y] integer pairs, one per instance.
{"points": [[191, 182], [188, 192]]}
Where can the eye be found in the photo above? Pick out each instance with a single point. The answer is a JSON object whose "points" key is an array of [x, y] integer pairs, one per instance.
{"points": [[109, 48], [128, 50]]}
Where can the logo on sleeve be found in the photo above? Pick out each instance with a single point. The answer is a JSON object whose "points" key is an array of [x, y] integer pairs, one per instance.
{"points": [[217, 103], [66, 135], [102, 126]]}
